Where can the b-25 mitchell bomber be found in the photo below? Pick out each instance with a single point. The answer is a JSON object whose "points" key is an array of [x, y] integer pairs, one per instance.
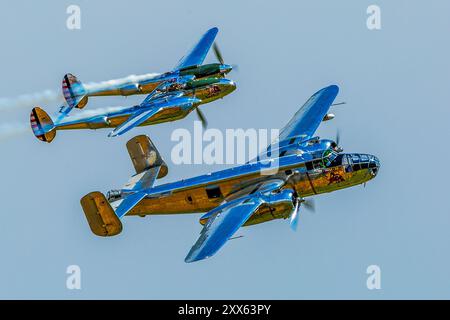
{"points": [[240, 196]]}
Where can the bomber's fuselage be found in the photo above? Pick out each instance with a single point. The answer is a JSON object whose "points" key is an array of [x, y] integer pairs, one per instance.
{"points": [[203, 193]]}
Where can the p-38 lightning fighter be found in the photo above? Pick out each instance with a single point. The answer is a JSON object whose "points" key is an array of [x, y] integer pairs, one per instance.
{"points": [[240, 196], [171, 96]]}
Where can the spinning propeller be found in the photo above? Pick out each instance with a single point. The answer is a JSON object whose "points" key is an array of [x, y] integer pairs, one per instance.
{"points": [[217, 53], [299, 201], [219, 57], [295, 216], [201, 117]]}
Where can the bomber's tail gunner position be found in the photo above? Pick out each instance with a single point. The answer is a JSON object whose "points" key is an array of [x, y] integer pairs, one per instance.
{"points": [[171, 95], [231, 198]]}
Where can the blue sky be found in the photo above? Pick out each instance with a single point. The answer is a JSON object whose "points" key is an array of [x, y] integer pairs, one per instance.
{"points": [[396, 85]]}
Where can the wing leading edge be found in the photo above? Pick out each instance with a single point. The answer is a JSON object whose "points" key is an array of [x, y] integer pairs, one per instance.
{"points": [[221, 226], [226, 219], [198, 53], [133, 121]]}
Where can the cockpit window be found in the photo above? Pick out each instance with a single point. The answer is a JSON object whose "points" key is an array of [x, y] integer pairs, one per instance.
{"points": [[328, 157], [364, 158], [355, 158], [347, 162]]}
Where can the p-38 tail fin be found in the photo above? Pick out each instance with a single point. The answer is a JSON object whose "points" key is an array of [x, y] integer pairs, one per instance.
{"points": [[74, 92], [104, 213], [42, 125]]}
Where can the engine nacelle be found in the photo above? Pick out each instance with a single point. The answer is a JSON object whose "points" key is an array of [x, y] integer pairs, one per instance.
{"points": [[130, 89], [278, 206], [328, 116]]}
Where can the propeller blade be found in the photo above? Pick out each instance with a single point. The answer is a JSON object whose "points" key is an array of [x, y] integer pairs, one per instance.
{"points": [[295, 216], [218, 53], [338, 137], [202, 118], [309, 205]]}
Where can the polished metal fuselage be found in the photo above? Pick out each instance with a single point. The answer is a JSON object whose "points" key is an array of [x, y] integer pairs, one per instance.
{"points": [[145, 84], [215, 88], [191, 195]]}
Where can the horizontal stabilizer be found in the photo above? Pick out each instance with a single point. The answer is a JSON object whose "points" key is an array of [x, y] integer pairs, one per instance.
{"points": [[101, 217], [143, 180], [128, 203]]}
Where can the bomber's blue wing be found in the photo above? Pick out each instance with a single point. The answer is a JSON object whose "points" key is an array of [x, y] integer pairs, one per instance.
{"points": [[221, 226], [308, 118], [226, 219], [198, 53]]}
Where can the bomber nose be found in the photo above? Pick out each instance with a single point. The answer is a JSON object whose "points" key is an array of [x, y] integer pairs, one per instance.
{"points": [[225, 68], [374, 165]]}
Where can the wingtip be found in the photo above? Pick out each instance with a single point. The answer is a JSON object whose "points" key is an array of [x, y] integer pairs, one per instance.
{"points": [[191, 258], [333, 87], [195, 255]]}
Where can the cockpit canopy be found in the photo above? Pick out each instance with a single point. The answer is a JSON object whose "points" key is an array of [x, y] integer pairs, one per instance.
{"points": [[351, 161], [322, 149]]}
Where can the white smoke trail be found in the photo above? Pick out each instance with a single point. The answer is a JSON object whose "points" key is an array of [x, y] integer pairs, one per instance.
{"points": [[31, 100], [49, 98], [132, 78], [92, 113], [12, 130], [16, 129]]}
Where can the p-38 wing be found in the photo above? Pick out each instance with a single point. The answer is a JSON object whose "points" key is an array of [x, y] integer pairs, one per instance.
{"points": [[197, 54], [146, 113]]}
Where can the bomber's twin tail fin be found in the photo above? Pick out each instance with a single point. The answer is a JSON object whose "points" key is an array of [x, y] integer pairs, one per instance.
{"points": [[104, 213], [145, 156], [42, 125], [74, 92], [101, 217]]}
